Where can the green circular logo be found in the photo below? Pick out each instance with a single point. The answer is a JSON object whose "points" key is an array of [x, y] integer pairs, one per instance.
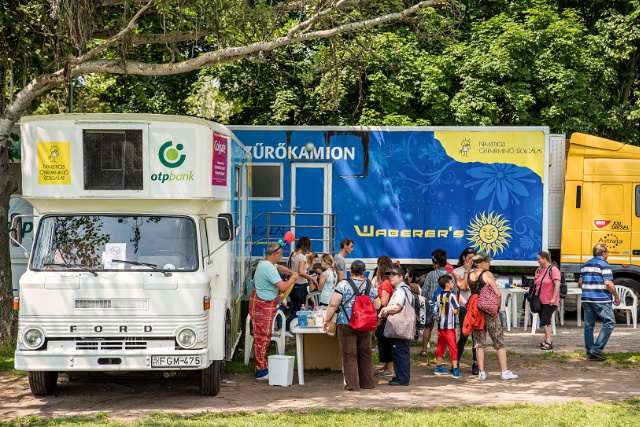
{"points": [[169, 156]]}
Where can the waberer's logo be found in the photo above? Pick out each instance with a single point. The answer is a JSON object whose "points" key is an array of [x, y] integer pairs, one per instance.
{"points": [[171, 157]]}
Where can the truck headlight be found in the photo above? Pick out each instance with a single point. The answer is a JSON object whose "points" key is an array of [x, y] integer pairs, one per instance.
{"points": [[33, 338], [187, 338]]}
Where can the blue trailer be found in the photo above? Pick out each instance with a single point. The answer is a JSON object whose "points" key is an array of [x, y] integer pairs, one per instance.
{"points": [[405, 191]]}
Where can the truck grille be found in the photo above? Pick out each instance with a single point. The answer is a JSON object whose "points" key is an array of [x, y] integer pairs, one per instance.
{"points": [[111, 345], [128, 303]]}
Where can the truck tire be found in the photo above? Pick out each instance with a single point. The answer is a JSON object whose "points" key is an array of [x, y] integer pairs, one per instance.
{"points": [[634, 285], [42, 383], [211, 378]]}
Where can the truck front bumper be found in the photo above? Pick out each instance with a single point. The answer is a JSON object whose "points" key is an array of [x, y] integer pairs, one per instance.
{"points": [[63, 356]]}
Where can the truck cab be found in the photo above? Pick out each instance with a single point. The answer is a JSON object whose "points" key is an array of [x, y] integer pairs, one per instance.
{"points": [[602, 205]]}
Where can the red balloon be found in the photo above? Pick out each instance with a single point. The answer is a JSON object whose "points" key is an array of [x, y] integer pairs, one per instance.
{"points": [[289, 237]]}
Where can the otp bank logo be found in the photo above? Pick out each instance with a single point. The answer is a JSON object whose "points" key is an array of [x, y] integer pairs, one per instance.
{"points": [[601, 223], [169, 156]]}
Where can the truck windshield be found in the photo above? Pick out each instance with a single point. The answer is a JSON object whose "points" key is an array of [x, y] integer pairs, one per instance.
{"points": [[103, 242]]}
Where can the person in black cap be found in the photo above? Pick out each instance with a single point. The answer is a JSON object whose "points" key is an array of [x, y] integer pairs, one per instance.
{"points": [[400, 348]]}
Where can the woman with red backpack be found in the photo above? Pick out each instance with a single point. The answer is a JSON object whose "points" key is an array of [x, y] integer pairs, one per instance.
{"points": [[354, 335]]}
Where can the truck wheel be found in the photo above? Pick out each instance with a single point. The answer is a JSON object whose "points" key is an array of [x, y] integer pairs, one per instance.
{"points": [[42, 383], [621, 315], [211, 378]]}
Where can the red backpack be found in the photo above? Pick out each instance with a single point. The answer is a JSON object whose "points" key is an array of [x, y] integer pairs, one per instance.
{"points": [[363, 315]]}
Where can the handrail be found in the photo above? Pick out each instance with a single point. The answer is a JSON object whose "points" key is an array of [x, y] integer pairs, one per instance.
{"points": [[327, 241]]}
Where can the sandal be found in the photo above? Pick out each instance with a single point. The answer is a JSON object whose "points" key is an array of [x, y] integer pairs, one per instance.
{"points": [[540, 344], [546, 346], [423, 353]]}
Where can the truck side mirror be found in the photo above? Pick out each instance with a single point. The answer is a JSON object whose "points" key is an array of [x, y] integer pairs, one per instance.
{"points": [[225, 227], [15, 232]]}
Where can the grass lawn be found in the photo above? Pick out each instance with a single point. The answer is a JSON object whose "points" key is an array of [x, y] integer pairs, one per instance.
{"points": [[623, 413]]}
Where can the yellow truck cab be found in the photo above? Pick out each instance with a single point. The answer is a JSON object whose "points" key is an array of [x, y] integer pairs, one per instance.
{"points": [[602, 205]]}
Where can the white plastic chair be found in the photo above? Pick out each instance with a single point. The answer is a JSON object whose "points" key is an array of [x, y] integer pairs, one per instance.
{"points": [[626, 295], [535, 320], [277, 335], [312, 301], [505, 306]]}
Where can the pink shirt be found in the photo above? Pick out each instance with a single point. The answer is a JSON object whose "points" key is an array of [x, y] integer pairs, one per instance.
{"points": [[547, 278]]}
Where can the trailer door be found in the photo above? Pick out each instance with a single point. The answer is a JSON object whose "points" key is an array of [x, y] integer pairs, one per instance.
{"points": [[311, 203]]}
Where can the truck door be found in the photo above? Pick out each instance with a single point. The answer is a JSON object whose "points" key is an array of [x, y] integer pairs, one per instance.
{"points": [[311, 194], [635, 225], [611, 219]]}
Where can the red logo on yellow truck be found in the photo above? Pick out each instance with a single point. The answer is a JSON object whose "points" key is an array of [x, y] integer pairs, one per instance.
{"points": [[600, 223]]}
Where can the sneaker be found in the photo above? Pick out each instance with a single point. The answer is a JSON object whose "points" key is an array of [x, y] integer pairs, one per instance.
{"points": [[596, 356], [288, 334], [482, 376], [262, 374], [385, 373], [456, 373], [441, 371], [508, 375], [474, 369]]}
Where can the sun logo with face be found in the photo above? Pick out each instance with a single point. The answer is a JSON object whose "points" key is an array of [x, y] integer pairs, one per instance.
{"points": [[489, 232]]}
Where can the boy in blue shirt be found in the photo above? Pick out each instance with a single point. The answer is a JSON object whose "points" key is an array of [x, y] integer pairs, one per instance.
{"points": [[447, 307]]}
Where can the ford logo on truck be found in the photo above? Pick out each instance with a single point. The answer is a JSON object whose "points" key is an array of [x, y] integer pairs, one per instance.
{"points": [[121, 328]]}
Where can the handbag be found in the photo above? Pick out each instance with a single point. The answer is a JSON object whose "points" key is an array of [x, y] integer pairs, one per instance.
{"points": [[488, 301], [401, 325], [535, 305], [333, 325]]}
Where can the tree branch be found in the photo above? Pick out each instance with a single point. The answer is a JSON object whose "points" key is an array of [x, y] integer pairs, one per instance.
{"points": [[177, 37], [130, 27], [223, 55], [316, 17], [108, 3]]}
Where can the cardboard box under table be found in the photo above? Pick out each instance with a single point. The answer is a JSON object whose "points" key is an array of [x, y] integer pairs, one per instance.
{"points": [[315, 350]]}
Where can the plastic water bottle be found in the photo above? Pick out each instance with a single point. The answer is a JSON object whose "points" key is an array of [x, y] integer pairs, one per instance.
{"points": [[503, 319]]}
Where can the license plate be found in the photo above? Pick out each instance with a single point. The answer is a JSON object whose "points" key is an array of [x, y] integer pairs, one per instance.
{"points": [[174, 361]]}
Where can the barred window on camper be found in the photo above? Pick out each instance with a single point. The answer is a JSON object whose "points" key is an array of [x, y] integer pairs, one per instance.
{"points": [[112, 159]]}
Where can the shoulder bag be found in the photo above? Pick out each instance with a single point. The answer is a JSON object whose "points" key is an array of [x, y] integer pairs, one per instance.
{"points": [[488, 301], [333, 325], [535, 305], [401, 325]]}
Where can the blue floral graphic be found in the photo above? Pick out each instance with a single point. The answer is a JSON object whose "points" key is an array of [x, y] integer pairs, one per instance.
{"points": [[501, 181], [434, 152]]}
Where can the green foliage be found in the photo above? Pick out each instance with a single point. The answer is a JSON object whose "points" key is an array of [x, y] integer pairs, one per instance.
{"points": [[6, 360], [566, 64]]}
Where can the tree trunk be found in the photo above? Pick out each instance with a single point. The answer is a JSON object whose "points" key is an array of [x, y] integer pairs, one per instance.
{"points": [[8, 318]]}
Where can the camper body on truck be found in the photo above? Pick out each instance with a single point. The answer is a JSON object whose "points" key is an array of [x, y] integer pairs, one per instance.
{"points": [[405, 191], [141, 251]]}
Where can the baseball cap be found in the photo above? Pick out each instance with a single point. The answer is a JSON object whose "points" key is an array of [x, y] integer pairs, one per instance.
{"points": [[360, 264], [481, 257], [396, 270]]}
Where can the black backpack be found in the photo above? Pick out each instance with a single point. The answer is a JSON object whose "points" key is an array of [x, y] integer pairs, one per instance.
{"points": [[563, 286]]}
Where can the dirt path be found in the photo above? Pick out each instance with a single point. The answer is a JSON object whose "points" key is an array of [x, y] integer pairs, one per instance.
{"points": [[542, 380]]}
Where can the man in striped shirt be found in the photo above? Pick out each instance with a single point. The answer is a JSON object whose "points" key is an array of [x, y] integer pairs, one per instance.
{"points": [[596, 281]]}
